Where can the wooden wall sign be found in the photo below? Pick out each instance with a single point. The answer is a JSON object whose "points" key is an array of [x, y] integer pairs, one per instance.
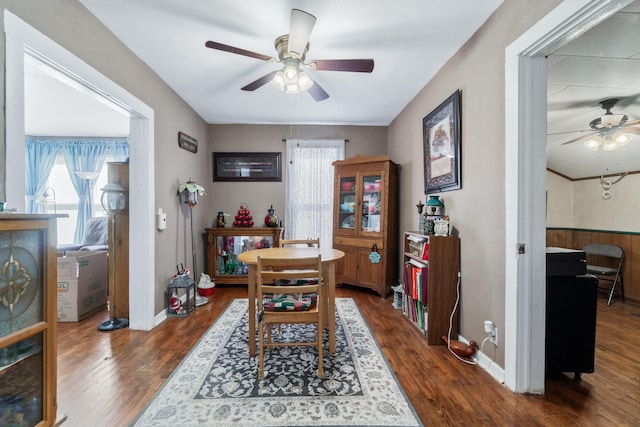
{"points": [[187, 142]]}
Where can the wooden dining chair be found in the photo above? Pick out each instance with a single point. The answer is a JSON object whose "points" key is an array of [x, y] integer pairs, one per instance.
{"points": [[288, 292], [297, 242]]}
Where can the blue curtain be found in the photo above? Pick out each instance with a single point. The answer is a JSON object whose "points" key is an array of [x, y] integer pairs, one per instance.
{"points": [[82, 155], [119, 150], [40, 156]]}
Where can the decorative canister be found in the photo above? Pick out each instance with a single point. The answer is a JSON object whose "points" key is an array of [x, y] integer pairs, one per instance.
{"points": [[441, 227], [220, 220], [435, 206], [271, 220]]}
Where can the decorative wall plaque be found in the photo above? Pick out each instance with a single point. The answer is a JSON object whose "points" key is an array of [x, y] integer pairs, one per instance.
{"points": [[187, 142]]}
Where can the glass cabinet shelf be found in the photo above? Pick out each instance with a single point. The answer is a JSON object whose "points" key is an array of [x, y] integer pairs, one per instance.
{"points": [[225, 244]]}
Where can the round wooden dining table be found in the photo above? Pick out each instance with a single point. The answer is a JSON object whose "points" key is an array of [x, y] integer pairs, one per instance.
{"points": [[329, 258]]}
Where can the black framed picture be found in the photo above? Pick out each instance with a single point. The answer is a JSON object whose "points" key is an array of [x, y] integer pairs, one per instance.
{"points": [[442, 139], [247, 166]]}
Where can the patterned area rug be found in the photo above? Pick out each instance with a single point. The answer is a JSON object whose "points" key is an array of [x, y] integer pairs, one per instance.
{"points": [[217, 383]]}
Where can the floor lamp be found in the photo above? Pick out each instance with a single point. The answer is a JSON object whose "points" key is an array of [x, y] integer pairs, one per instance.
{"points": [[189, 193], [113, 201]]}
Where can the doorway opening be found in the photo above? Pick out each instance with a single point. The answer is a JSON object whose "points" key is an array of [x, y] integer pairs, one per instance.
{"points": [[525, 178], [21, 38]]}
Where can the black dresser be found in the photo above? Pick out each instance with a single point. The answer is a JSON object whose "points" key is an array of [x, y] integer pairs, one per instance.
{"points": [[571, 307]]}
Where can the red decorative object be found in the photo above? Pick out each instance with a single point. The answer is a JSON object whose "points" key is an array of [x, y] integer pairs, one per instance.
{"points": [[243, 218], [271, 220]]}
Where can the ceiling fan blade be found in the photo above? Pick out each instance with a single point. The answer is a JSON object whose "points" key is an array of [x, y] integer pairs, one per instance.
{"points": [[317, 92], [260, 82], [238, 51], [569, 131], [632, 129], [631, 123], [299, 31], [353, 65], [579, 138]]}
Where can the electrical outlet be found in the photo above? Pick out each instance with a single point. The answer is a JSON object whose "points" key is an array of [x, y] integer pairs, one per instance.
{"points": [[491, 331]]}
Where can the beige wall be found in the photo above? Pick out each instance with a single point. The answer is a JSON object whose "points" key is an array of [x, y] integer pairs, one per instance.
{"points": [[559, 201], [227, 196], [579, 204], [477, 210], [69, 24]]}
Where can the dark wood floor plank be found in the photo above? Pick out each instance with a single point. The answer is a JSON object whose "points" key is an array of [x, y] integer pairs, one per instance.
{"points": [[107, 378]]}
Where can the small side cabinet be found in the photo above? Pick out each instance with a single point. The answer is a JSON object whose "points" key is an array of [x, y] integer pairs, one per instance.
{"points": [[28, 286]]}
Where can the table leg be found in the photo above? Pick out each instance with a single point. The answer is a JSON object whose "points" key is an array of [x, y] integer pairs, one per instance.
{"points": [[252, 309], [330, 277]]}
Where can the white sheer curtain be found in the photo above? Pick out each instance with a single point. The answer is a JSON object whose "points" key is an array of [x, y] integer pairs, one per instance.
{"points": [[309, 188]]}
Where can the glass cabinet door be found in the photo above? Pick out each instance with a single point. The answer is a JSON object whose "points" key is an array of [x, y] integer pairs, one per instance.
{"points": [[371, 203], [27, 323], [229, 247], [347, 210]]}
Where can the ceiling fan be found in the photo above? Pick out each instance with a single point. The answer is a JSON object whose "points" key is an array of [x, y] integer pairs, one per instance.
{"points": [[292, 49], [611, 131]]}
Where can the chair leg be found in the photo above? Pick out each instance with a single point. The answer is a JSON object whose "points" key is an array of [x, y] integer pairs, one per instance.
{"points": [[320, 351], [261, 350], [613, 289]]}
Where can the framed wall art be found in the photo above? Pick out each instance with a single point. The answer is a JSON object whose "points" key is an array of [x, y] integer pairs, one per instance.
{"points": [[247, 166], [442, 139]]}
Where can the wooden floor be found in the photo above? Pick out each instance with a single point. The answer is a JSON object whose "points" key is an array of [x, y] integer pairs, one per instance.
{"points": [[107, 378]]}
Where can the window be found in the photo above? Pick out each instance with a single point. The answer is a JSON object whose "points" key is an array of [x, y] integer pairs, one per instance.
{"points": [[309, 188], [60, 197]]}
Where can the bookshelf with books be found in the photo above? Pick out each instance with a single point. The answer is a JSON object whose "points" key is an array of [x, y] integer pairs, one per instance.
{"points": [[430, 278]]}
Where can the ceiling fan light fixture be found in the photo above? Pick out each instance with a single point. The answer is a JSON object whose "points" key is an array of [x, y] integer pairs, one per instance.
{"points": [[609, 145], [290, 72], [278, 81], [593, 143], [291, 79], [304, 81], [621, 138]]}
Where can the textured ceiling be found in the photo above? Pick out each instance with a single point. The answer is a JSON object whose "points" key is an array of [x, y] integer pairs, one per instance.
{"points": [[603, 63]]}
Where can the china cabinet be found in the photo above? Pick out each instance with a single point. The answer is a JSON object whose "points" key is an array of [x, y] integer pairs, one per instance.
{"points": [[223, 245], [28, 286], [365, 217]]}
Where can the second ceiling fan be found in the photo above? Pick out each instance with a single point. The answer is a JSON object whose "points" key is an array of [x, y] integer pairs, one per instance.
{"points": [[292, 49], [609, 131]]}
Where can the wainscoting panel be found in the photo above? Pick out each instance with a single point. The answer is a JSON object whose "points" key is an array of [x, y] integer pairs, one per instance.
{"points": [[573, 238]]}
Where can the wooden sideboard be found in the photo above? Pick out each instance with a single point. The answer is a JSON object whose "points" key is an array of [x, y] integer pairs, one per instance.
{"points": [[574, 238]]}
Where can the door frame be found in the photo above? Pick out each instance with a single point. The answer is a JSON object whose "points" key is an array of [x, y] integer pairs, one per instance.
{"points": [[22, 38], [525, 183]]}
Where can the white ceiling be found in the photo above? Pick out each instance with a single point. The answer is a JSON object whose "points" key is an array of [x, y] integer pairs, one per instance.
{"points": [[409, 43]]}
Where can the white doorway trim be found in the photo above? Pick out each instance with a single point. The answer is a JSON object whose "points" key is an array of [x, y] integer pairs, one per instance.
{"points": [[525, 183], [20, 38]]}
